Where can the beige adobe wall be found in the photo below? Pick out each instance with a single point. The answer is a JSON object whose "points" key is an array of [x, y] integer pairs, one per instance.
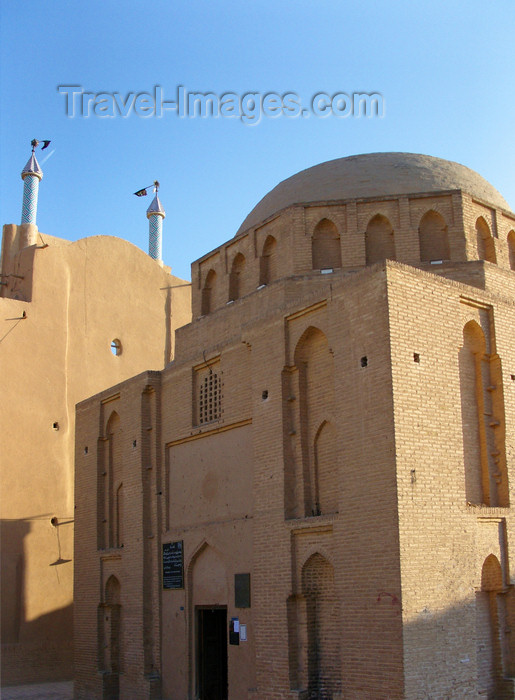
{"points": [[444, 542], [84, 295]]}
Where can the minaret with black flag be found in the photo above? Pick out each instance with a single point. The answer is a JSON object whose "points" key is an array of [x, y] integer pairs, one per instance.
{"points": [[155, 216], [31, 175]]}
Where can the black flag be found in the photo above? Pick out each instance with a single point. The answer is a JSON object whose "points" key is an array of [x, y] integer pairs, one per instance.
{"points": [[141, 193]]}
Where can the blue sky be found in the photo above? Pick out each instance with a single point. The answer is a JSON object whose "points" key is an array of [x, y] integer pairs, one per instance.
{"points": [[444, 69]]}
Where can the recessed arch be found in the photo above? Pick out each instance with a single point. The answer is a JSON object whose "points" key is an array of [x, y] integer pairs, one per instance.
{"points": [[110, 637], [493, 643], [483, 419], [477, 482], [235, 277], [474, 337], [113, 423], [310, 338], [325, 246], [314, 477], [208, 293], [433, 237], [491, 574], [113, 591], [326, 471], [485, 241], [268, 261], [379, 240], [112, 479], [207, 586], [319, 616]]}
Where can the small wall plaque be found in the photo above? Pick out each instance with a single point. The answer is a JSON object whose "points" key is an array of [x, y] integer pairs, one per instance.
{"points": [[242, 590], [173, 565]]}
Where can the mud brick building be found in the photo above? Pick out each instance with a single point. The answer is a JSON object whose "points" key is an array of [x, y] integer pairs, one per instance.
{"points": [[313, 500], [74, 318]]}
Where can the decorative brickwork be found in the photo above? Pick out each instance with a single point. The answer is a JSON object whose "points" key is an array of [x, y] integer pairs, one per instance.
{"points": [[357, 459]]}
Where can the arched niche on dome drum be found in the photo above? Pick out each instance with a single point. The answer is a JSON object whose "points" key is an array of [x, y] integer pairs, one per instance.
{"points": [[485, 242], [268, 261], [208, 293], [235, 277], [325, 246], [379, 240], [433, 237]]}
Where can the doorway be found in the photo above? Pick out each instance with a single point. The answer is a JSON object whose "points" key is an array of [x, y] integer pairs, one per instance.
{"points": [[212, 653]]}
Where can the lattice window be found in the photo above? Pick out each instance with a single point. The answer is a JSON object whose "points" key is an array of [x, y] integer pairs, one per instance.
{"points": [[210, 398]]}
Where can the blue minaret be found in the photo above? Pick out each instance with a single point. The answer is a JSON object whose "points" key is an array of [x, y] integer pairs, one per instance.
{"points": [[155, 215], [31, 175]]}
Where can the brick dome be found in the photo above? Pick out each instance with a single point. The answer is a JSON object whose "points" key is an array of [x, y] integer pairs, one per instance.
{"points": [[372, 175]]}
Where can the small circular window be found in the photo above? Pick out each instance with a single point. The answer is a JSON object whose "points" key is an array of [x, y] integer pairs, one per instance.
{"points": [[116, 347]]}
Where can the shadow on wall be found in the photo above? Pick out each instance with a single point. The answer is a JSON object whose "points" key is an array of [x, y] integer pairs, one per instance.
{"points": [[468, 646], [460, 651], [40, 649]]}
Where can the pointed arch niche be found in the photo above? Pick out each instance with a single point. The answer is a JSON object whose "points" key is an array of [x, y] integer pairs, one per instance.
{"points": [[433, 237], [482, 412], [208, 293], [110, 486], [236, 277], [311, 471], [268, 261], [314, 632], [495, 615], [110, 638], [325, 246], [206, 583], [485, 241], [379, 240]]}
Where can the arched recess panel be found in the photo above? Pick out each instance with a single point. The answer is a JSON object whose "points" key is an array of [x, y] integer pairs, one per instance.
{"points": [[476, 472], [308, 389], [511, 249], [207, 588], [379, 240], [208, 293], [491, 630], [485, 241], [326, 472], [483, 424], [268, 262], [433, 237], [236, 277], [110, 638], [325, 246], [110, 477], [318, 621]]}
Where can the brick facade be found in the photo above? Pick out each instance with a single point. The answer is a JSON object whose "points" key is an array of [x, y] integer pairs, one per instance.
{"points": [[359, 467]]}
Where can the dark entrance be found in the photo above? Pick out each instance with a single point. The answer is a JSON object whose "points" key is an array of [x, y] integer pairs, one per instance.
{"points": [[212, 653]]}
